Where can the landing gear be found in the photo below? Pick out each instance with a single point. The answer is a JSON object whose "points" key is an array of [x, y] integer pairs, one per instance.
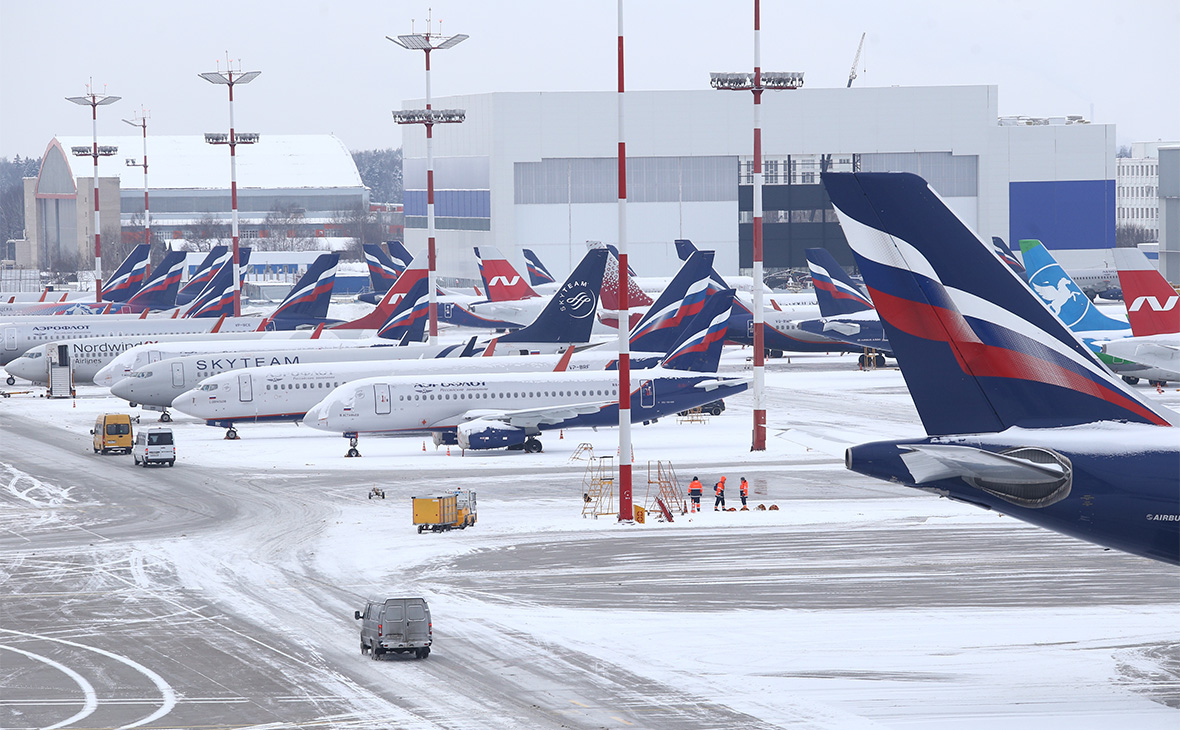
{"points": [[1157, 383], [166, 417], [231, 434], [11, 380], [879, 360], [352, 452], [1130, 380], [532, 446]]}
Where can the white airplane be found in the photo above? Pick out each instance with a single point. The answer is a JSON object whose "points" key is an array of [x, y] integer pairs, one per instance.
{"points": [[1153, 309], [509, 410]]}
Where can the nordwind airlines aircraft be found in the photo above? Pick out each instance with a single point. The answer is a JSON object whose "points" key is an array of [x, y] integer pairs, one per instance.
{"points": [[1153, 309], [509, 410], [287, 391], [1021, 416]]}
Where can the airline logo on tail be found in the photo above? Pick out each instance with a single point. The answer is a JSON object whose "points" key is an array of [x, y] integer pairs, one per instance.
{"points": [[700, 346], [538, 274], [500, 278], [1153, 306], [578, 300], [834, 289]]}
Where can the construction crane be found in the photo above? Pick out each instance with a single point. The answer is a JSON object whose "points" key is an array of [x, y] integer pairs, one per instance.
{"points": [[856, 61]]}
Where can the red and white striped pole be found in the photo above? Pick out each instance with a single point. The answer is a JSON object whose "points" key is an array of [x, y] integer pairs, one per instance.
{"points": [[626, 508], [759, 439], [431, 289], [141, 121], [97, 214], [233, 197]]}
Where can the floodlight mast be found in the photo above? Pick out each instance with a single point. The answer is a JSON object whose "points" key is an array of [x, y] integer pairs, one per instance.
{"points": [[757, 83], [94, 101], [428, 42], [626, 506], [231, 78], [140, 120]]}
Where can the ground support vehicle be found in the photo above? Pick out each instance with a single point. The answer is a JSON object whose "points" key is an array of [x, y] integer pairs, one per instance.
{"points": [[397, 625], [112, 433], [443, 512], [154, 446]]}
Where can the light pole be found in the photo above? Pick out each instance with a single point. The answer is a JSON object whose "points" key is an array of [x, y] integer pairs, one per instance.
{"points": [[94, 101], [626, 507], [429, 117], [140, 120], [757, 82], [231, 79]]}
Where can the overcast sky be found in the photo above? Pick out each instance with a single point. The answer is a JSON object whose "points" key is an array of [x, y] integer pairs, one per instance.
{"points": [[327, 68]]}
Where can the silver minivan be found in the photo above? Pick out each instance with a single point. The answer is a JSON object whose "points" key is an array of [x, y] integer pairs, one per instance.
{"points": [[154, 446], [398, 625]]}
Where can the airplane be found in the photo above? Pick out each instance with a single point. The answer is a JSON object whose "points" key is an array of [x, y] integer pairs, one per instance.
{"points": [[491, 410], [637, 298], [1021, 416], [501, 281], [846, 313], [538, 274], [130, 276], [216, 297], [1005, 254], [383, 271], [257, 391], [1153, 309], [158, 292], [126, 280], [208, 267]]}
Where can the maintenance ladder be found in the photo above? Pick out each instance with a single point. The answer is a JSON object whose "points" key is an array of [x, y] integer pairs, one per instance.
{"points": [[598, 487], [667, 490]]}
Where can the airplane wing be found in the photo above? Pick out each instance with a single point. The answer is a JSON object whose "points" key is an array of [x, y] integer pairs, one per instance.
{"points": [[931, 462], [848, 329], [533, 417]]}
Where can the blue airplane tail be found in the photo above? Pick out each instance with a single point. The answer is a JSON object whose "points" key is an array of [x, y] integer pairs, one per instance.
{"points": [[979, 353], [382, 269], [217, 298], [684, 249], [129, 277], [399, 254], [1060, 293], [835, 291], [538, 274], [569, 316], [1005, 254], [159, 291], [698, 348], [680, 301], [204, 274], [308, 300], [407, 323]]}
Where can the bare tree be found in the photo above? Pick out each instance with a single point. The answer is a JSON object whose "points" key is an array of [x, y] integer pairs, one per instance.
{"points": [[1128, 235], [209, 232], [286, 231]]}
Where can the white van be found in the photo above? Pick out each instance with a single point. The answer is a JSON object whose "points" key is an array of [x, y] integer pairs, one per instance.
{"points": [[154, 446]]}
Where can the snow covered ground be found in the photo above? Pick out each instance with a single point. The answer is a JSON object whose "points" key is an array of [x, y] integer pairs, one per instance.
{"points": [[855, 604]]}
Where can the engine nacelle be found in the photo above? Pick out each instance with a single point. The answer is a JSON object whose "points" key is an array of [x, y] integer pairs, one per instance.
{"points": [[444, 438], [481, 434]]}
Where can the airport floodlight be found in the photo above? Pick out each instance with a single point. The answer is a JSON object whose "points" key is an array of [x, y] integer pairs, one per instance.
{"points": [[132, 162], [106, 150], [452, 41], [413, 41], [731, 81], [246, 137], [83, 100], [94, 101], [782, 79], [775, 80], [216, 138], [430, 116], [82, 150], [214, 78], [140, 121]]}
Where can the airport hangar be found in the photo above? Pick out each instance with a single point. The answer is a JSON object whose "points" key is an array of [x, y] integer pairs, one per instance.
{"points": [[539, 170], [303, 184]]}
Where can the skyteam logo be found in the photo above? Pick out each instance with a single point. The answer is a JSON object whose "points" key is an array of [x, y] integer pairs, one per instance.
{"points": [[578, 300]]}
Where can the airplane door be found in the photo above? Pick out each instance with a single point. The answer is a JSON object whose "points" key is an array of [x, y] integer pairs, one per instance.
{"points": [[750, 328], [245, 389], [381, 398], [177, 375], [647, 394], [445, 314], [153, 356], [10, 338]]}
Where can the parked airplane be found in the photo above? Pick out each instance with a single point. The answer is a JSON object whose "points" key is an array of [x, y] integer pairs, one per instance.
{"points": [[130, 276], [216, 298], [383, 271], [498, 410], [208, 267], [1021, 416], [258, 392], [127, 279], [501, 281], [846, 313], [1006, 256], [1153, 309], [158, 292], [538, 274]]}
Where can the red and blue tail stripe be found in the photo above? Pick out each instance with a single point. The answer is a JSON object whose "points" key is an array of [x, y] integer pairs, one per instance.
{"points": [[699, 347], [834, 289], [129, 277], [311, 295]]}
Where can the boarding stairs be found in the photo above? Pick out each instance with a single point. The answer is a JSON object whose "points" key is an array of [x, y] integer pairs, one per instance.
{"points": [[598, 487], [664, 495]]}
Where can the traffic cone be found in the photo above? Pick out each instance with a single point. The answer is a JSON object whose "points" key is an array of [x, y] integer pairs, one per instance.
{"points": [[448, 451], [423, 445], [75, 404], [561, 434]]}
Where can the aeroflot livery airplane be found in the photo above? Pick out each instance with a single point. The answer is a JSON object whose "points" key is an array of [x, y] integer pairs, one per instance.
{"points": [[497, 410], [1021, 416]]}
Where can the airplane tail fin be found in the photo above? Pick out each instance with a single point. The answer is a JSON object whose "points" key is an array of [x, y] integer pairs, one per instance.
{"points": [[1060, 293], [569, 315], [698, 348], [686, 248], [636, 297], [311, 295], [680, 301], [1006, 256], [204, 274], [129, 277], [977, 349], [414, 272], [835, 291], [1153, 306], [217, 298], [538, 274], [159, 291], [398, 254], [501, 280], [408, 321], [382, 270]]}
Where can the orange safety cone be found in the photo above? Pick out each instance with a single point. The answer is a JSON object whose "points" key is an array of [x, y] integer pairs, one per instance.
{"points": [[423, 445], [561, 434], [448, 451], [75, 404]]}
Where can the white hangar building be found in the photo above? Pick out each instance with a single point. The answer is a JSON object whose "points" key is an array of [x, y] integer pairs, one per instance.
{"points": [[539, 171]]}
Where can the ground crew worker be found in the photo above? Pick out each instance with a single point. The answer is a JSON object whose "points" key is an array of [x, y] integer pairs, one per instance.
{"points": [[719, 490], [695, 490], [745, 487]]}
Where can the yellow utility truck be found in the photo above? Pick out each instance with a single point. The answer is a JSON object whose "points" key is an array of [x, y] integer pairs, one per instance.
{"points": [[442, 512]]}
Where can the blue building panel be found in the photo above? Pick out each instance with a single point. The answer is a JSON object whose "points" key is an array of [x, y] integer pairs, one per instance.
{"points": [[450, 203], [1062, 214]]}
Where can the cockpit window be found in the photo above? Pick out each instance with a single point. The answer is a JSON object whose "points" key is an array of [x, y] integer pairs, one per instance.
{"points": [[209, 386]]}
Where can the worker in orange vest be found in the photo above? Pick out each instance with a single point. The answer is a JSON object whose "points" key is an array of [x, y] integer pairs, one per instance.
{"points": [[719, 490], [695, 490], [745, 487]]}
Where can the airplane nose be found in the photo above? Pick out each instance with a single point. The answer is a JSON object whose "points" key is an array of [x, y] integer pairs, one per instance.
{"points": [[124, 389], [188, 403], [24, 367], [105, 376], [317, 416]]}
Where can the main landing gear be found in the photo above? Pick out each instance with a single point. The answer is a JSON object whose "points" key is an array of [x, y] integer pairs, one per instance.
{"points": [[230, 435], [352, 452], [166, 417]]}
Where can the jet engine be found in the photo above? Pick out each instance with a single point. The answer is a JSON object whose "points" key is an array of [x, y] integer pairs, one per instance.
{"points": [[487, 434]]}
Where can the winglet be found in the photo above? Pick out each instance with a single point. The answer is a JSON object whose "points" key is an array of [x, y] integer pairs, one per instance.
{"points": [[490, 349], [262, 324], [564, 362], [318, 329], [217, 327]]}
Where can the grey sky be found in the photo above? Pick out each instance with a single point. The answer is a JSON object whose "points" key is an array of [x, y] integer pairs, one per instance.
{"points": [[327, 68]]}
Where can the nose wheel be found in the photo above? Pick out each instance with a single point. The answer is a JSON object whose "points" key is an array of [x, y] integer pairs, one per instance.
{"points": [[231, 434], [166, 417], [352, 451]]}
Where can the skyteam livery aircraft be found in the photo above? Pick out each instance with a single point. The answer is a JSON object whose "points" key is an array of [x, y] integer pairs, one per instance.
{"points": [[1021, 416], [509, 410]]}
